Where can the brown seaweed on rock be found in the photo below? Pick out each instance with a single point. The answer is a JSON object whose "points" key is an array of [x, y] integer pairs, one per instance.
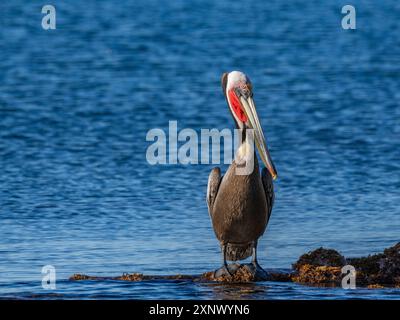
{"points": [[243, 274], [318, 275], [323, 267], [319, 267], [321, 257], [378, 269], [132, 277]]}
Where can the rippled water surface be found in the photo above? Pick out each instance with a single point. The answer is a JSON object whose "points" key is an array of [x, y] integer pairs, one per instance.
{"points": [[76, 103]]}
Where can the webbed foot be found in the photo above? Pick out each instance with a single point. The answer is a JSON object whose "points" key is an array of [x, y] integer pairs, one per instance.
{"points": [[226, 270], [257, 270]]}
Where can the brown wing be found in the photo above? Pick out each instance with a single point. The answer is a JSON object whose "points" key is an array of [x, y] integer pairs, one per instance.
{"points": [[268, 189], [214, 179]]}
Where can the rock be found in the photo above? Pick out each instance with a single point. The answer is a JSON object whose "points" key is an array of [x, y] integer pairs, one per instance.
{"points": [[241, 273], [375, 286], [382, 268], [320, 257], [318, 275], [321, 267], [77, 277], [280, 276], [133, 277]]}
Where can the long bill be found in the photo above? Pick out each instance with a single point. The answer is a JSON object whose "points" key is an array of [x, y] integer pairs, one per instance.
{"points": [[250, 110]]}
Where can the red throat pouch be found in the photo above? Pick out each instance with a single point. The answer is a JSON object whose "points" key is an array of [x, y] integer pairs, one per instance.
{"points": [[236, 105]]}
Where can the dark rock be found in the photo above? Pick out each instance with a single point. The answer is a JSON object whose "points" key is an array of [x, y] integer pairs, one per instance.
{"points": [[323, 267], [133, 277], [379, 269], [320, 257]]}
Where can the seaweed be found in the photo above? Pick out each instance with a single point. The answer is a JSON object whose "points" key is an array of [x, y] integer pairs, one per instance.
{"points": [[320, 257]]}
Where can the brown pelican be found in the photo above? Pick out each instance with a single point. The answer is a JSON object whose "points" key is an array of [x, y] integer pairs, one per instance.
{"points": [[240, 205]]}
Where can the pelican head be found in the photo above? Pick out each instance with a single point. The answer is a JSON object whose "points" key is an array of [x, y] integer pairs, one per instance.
{"points": [[238, 92]]}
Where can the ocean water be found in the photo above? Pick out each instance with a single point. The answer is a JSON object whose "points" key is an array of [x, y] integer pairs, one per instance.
{"points": [[76, 103]]}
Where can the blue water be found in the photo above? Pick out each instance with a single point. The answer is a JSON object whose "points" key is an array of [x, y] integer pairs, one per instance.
{"points": [[76, 191]]}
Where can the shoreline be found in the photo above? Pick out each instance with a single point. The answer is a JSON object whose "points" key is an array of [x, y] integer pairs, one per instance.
{"points": [[321, 267]]}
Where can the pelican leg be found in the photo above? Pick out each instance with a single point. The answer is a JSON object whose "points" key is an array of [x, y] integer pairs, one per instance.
{"points": [[254, 260], [224, 270]]}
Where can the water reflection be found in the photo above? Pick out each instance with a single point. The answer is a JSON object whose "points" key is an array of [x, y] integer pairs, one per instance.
{"points": [[237, 291]]}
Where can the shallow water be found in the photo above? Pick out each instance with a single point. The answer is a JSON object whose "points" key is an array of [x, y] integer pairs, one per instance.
{"points": [[179, 290], [76, 103]]}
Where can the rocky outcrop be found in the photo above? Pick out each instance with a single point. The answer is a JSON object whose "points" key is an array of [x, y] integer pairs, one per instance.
{"points": [[324, 267], [321, 267]]}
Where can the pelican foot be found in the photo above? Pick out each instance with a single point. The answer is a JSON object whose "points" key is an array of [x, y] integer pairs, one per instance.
{"points": [[257, 271], [227, 270]]}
